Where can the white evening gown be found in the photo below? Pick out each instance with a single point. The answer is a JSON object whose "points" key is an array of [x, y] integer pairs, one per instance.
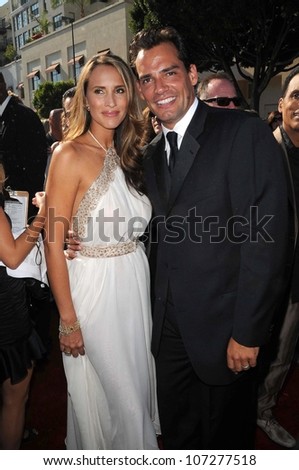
{"points": [[112, 389]]}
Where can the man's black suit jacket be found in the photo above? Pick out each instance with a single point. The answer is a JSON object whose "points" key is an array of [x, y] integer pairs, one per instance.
{"points": [[23, 149], [223, 235], [294, 274]]}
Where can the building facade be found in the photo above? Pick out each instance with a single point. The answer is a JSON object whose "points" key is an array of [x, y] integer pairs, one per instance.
{"points": [[54, 38], [5, 32], [60, 52]]}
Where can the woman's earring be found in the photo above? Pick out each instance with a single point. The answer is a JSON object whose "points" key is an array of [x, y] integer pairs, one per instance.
{"points": [[88, 107]]}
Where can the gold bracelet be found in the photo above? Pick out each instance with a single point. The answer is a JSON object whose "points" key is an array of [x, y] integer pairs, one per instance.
{"points": [[33, 231], [66, 330]]}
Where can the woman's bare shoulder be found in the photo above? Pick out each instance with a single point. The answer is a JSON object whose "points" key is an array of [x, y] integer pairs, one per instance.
{"points": [[65, 149], [68, 153]]}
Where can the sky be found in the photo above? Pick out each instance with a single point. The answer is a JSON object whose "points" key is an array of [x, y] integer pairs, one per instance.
{"points": [[2, 2]]}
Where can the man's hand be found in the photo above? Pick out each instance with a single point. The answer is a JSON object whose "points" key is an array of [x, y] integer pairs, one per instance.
{"points": [[73, 245], [239, 357]]}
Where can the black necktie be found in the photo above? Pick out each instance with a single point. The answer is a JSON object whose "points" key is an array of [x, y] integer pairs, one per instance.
{"points": [[172, 139]]}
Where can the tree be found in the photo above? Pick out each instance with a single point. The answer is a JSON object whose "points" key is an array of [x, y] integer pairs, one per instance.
{"points": [[43, 22], [259, 37], [49, 96], [80, 3], [10, 53]]}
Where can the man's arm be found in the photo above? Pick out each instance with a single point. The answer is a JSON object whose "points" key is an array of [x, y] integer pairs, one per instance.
{"points": [[258, 190]]}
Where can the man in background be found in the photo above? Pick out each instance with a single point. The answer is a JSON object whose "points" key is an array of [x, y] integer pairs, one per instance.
{"points": [[285, 335], [54, 135], [67, 99], [55, 126], [218, 90]]}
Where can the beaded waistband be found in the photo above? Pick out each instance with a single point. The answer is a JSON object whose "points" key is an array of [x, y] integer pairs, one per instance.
{"points": [[109, 251]]}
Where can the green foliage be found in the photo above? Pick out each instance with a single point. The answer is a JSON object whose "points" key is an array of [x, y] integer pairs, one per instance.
{"points": [[79, 3], [43, 22], [258, 34], [49, 96], [145, 14], [10, 53]]}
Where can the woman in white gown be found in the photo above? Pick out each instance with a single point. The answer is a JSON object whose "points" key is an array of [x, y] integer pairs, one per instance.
{"points": [[103, 295]]}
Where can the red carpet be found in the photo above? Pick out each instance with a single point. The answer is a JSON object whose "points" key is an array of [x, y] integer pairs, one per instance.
{"points": [[47, 404]]}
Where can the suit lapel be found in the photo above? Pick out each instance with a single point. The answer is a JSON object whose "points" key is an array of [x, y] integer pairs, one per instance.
{"points": [[291, 189], [156, 166], [162, 172], [157, 174], [187, 153]]}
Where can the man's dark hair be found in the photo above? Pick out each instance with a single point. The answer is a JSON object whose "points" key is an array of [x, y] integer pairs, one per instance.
{"points": [[69, 93], [291, 75], [147, 39]]}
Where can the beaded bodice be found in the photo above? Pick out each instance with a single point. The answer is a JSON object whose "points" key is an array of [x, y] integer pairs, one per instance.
{"points": [[110, 216], [98, 188]]}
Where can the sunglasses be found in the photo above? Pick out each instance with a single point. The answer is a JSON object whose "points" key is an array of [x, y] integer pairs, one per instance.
{"points": [[224, 100]]}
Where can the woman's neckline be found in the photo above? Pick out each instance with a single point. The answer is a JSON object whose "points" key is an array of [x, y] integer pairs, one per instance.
{"points": [[98, 142]]}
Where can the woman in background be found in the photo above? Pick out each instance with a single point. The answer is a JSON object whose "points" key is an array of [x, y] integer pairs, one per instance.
{"points": [[20, 346]]}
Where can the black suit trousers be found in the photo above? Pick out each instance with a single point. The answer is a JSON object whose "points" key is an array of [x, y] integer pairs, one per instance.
{"points": [[195, 415]]}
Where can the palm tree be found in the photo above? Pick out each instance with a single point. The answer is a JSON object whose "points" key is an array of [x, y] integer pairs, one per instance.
{"points": [[43, 22], [80, 3]]}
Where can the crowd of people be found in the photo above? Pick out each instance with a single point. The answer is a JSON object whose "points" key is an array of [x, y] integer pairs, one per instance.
{"points": [[170, 240]]}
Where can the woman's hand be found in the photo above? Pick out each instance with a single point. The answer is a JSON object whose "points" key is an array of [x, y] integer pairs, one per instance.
{"points": [[72, 344], [39, 201]]}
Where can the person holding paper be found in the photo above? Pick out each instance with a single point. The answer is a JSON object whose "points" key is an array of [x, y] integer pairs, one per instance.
{"points": [[20, 345], [23, 151], [23, 145]]}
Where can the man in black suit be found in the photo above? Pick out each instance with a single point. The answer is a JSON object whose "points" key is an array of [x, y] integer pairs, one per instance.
{"points": [[281, 349], [219, 254], [23, 145]]}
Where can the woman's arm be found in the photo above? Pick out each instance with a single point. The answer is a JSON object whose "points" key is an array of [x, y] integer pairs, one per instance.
{"points": [[14, 251], [62, 186]]}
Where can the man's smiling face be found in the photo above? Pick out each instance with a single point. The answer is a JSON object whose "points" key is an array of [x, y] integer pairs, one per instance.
{"points": [[164, 83]]}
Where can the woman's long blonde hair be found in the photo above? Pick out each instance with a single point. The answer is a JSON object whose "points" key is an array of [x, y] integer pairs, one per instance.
{"points": [[129, 134]]}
